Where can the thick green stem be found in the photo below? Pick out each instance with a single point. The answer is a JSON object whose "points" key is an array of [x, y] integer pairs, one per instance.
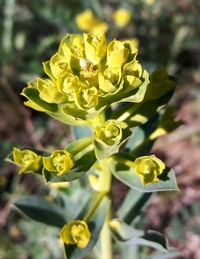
{"points": [[105, 238]]}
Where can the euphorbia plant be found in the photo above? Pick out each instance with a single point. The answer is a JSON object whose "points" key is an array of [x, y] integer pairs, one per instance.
{"points": [[120, 111]]}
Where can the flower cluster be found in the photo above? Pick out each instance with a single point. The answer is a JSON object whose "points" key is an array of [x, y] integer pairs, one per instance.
{"points": [[59, 162], [87, 75]]}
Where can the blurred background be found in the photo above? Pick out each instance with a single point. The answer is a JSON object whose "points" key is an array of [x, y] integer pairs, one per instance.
{"points": [[167, 34]]}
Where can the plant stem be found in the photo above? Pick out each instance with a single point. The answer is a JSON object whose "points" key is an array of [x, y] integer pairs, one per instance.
{"points": [[105, 238], [96, 203]]}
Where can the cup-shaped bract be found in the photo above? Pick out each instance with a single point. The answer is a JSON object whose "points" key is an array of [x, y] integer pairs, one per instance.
{"points": [[60, 162], [76, 233], [27, 160], [149, 168]]}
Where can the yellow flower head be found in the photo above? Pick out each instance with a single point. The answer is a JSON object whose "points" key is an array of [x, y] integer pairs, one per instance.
{"points": [[148, 168], [110, 132], [76, 233], [122, 17], [60, 162], [28, 160], [85, 75], [87, 22]]}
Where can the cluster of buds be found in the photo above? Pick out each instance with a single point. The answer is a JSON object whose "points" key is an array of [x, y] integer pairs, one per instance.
{"points": [[59, 162], [86, 75]]}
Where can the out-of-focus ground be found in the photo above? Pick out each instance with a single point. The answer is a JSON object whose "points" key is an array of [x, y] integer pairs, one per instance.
{"points": [[169, 35]]}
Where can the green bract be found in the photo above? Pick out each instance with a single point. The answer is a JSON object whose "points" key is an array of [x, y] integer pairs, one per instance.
{"points": [[60, 162], [109, 137], [76, 233], [28, 160], [148, 168], [85, 76]]}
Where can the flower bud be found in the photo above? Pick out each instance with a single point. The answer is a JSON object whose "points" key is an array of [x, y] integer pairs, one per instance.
{"points": [[27, 160], [86, 97], [48, 91], [60, 162], [67, 84], [110, 133], [76, 233], [56, 66], [109, 80], [148, 168], [95, 47], [117, 54]]}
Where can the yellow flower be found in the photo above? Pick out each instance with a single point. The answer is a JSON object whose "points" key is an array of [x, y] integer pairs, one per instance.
{"points": [[76, 233], [60, 162], [48, 91], [110, 133], [86, 97], [148, 168], [87, 22], [117, 54], [109, 80], [27, 160], [122, 17], [95, 47]]}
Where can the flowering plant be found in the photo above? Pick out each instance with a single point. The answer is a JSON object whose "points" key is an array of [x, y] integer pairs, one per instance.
{"points": [[119, 110]]}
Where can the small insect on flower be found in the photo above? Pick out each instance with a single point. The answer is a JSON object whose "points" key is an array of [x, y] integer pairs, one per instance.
{"points": [[76, 233]]}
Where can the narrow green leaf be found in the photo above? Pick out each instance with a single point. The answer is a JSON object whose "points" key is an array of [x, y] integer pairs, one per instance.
{"points": [[133, 205], [40, 209], [129, 235]]}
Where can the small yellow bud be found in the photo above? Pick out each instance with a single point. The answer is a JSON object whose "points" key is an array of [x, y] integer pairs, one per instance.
{"points": [[148, 168], [86, 97], [110, 132], [48, 91], [117, 54], [76, 233], [28, 160], [95, 47], [60, 162]]}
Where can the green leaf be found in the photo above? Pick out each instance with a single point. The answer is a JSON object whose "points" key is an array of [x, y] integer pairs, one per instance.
{"points": [[32, 94], [127, 175], [169, 255], [40, 209], [79, 145], [95, 225], [132, 205], [129, 235]]}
